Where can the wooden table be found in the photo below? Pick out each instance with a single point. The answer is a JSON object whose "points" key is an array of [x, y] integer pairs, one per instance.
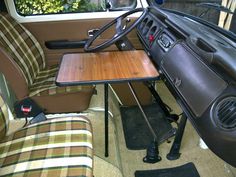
{"points": [[105, 68], [93, 68]]}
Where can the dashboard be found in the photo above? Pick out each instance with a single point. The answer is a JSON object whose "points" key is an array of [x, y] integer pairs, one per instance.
{"points": [[198, 64]]}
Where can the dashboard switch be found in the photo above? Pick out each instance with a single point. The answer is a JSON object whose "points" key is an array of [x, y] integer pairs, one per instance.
{"points": [[151, 38], [165, 41]]}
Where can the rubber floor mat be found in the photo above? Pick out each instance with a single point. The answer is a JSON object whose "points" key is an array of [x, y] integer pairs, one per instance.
{"points": [[137, 133], [187, 170]]}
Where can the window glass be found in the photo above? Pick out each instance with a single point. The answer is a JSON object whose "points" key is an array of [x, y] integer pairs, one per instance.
{"points": [[33, 7], [122, 4], [43, 7], [194, 8], [210, 10]]}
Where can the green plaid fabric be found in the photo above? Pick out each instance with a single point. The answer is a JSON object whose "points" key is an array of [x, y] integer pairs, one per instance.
{"points": [[22, 47], [4, 121], [56, 147]]}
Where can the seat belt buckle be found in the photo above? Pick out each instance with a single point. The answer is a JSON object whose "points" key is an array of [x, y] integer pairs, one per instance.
{"points": [[26, 109]]}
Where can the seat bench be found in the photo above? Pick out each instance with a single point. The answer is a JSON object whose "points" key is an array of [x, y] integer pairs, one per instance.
{"points": [[55, 147]]}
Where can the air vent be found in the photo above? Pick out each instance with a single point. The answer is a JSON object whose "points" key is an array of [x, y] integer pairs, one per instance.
{"points": [[225, 113], [150, 35], [147, 27], [143, 24], [153, 30]]}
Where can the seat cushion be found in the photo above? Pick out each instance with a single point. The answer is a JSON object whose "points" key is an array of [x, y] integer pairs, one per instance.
{"points": [[31, 77], [56, 147]]}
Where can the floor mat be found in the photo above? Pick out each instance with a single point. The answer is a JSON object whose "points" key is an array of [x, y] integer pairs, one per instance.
{"points": [[187, 170], [137, 134]]}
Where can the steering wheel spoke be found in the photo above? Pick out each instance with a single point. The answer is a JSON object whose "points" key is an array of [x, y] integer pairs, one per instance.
{"points": [[121, 30]]}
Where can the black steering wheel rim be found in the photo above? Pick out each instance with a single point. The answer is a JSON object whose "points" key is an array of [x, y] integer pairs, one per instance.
{"points": [[115, 38]]}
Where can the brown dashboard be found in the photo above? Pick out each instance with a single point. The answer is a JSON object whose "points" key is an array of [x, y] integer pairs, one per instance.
{"points": [[199, 67]]}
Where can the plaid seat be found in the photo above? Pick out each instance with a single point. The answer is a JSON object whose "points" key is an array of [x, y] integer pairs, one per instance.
{"points": [[22, 47], [56, 147], [44, 84], [25, 50]]}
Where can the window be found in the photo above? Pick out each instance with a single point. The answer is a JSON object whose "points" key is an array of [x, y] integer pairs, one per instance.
{"points": [[37, 7], [213, 11], [43, 7], [122, 4]]}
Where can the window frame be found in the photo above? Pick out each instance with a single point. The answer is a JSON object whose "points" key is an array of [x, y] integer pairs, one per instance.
{"points": [[67, 16]]}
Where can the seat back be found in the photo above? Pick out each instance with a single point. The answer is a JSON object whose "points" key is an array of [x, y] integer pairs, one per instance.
{"points": [[4, 119], [22, 46]]}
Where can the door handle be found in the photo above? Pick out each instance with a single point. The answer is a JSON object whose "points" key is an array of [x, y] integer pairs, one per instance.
{"points": [[92, 32]]}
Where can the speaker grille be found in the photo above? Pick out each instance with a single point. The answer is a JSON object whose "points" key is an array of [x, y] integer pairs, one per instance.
{"points": [[225, 113]]}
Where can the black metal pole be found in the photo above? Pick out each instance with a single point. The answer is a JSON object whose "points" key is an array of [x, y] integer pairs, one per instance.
{"points": [[174, 151], [106, 120]]}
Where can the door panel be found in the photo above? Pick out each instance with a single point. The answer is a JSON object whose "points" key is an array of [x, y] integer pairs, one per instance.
{"points": [[74, 30]]}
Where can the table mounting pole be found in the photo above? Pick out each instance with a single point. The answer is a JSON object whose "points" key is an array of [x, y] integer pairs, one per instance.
{"points": [[106, 119]]}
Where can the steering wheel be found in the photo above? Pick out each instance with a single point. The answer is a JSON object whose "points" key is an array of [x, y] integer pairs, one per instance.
{"points": [[120, 31]]}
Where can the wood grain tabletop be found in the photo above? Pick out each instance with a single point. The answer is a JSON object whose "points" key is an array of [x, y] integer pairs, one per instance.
{"points": [[82, 68]]}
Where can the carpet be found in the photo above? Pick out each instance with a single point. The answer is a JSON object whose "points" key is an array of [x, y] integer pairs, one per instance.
{"points": [[136, 131]]}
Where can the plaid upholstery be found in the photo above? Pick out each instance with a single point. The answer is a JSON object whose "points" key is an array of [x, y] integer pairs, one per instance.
{"points": [[29, 56], [3, 119], [56, 147], [22, 46], [45, 84]]}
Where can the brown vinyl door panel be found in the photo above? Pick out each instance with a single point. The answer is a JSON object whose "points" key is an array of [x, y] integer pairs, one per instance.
{"points": [[72, 30]]}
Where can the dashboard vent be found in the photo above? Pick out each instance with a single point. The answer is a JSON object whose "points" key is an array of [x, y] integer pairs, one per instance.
{"points": [[153, 30], [225, 113], [143, 23], [147, 27]]}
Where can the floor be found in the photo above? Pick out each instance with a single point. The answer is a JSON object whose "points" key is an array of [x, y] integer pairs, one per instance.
{"points": [[127, 161]]}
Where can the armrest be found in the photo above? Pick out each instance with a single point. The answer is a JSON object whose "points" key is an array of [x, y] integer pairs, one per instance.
{"points": [[65, 44]]}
